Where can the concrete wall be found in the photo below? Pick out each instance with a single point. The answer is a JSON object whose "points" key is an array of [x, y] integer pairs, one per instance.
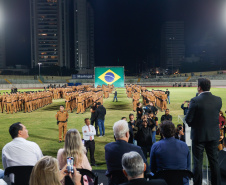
{"points": [[167, 84]]}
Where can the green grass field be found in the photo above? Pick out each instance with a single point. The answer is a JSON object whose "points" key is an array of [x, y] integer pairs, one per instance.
{"points": [[43, 129]]}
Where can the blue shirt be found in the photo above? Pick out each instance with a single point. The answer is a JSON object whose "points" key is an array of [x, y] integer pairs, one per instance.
{"points": [[170, 153]]}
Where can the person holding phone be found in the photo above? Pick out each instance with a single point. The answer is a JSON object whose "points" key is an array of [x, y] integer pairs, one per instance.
{"points": [[185, 108], [180, 133], [46, 172]]}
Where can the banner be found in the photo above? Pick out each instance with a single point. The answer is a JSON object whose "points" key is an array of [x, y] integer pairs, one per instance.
{"points": [[82, 76], [109, 75]]}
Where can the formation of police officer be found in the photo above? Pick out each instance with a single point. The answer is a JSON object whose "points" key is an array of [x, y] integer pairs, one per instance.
{"points": [[25, 101], [157, 97]]}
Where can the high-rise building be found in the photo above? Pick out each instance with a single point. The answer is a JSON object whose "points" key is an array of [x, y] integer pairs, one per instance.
{"points": [[2, 36], [172, 45], [62, 33], [49, 28], [83, 34]]}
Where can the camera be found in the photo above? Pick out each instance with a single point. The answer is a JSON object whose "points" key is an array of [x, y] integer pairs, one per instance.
{"points": [[70, 164], [179, 128]]}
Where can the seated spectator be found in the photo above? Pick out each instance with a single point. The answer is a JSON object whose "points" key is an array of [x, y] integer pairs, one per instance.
{"points": [[134, 167], [20, 151], [115, 150], [180, 133], [166, 116], [144, 137], [169, 153], [73, 147], [185, 108], [46, 172]]}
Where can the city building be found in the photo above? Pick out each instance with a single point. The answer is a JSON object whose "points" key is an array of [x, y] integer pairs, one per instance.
{"points": [[62, 33], [83, 35], [49, 28], [2, 36], [172, 45]]}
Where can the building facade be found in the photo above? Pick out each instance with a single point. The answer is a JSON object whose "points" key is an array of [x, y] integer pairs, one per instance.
{"points": [[2, 36], [49, 38], [83, 35], [62, 33], [172, 45]]}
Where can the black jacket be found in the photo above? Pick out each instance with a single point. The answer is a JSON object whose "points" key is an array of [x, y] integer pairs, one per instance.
{"points": [[93, 114], [166, 117], [100, 112], [151, 108], [144, 136], [203, 117]]}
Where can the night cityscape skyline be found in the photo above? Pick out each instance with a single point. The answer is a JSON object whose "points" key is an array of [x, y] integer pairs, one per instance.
{"points": [[128, 32]]}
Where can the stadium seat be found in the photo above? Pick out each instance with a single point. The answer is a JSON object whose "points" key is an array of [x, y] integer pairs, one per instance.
{"points": [[87, 175], [117, 177], [21, 174], [173, 177]]}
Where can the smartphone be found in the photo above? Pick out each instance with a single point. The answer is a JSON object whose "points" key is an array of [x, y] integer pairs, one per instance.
{"points": [[83, 141], [70, 164]]}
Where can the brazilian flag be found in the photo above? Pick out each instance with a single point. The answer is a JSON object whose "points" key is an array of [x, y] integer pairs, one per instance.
{"points": [[109, 75]]}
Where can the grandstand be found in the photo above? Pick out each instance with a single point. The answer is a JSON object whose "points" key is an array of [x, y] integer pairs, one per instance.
{"points": [[217, 78]]}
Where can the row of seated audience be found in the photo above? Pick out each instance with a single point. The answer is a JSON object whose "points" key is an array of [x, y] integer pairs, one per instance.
{"points": [[168, 153]]}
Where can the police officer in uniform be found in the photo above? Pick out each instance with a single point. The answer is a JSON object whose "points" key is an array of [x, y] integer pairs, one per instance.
{"points": [[62, 117]]}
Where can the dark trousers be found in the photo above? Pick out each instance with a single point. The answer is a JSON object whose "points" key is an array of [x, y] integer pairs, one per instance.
{"points": [[146, 150], [90, 146], [212, 154], [96, 125]]}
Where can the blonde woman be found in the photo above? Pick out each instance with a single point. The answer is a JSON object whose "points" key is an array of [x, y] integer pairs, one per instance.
{"points": [[46, 172], [73, 147]]}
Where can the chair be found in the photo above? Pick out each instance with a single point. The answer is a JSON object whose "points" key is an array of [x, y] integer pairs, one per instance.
{"points": [[21, 174], [91, 177], [116, 177], [222, 162], [173, 177]]}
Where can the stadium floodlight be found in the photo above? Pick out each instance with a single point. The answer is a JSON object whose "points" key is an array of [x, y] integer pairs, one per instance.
{"points": [[39, 64]]}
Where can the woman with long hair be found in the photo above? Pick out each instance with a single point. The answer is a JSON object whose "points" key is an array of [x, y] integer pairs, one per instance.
{"points": [[73, 147], [46, 172]]}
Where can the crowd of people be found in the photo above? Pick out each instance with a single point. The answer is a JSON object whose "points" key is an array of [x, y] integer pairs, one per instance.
{"points": [[158, 98], [24, 101], [135, 141]]}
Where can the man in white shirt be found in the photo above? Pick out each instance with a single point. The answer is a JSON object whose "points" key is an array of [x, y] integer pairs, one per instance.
{"points": [[88, 132], [20, 152]]}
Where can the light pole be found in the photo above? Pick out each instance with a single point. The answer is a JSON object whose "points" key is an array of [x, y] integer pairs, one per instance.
{"points": [[39, 64]]}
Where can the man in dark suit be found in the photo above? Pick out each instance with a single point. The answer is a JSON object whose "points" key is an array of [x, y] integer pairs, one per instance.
{"points": [[203, 118], [134, 167], [115, 150]]}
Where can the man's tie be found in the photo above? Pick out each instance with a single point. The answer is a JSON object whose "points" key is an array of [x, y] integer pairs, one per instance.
{"points": [[90, 137]]}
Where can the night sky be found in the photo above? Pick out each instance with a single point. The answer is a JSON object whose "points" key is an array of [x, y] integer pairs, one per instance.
{"points": [[126, 31]]}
